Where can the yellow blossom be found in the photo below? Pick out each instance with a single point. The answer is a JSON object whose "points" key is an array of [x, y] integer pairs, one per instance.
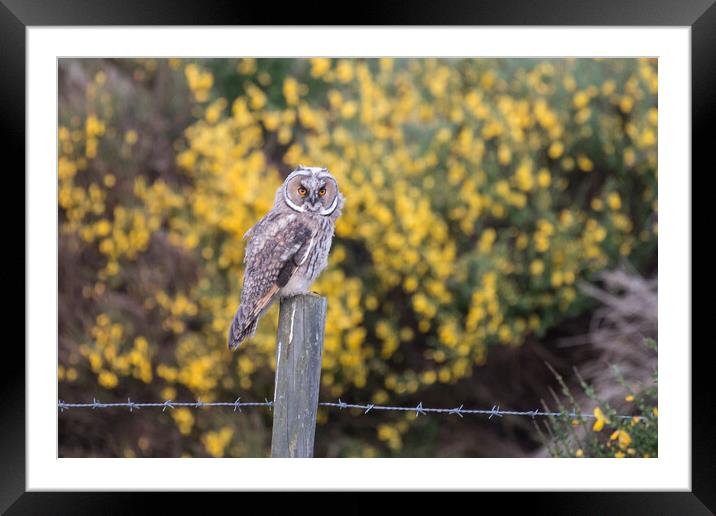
{"points": [[130, 137], [626, 104], [108, 379], [600, 421], [290, 91], [614, 201], [536, 267], [556, 149], [544, 178], [319, 66], [585, 164]]}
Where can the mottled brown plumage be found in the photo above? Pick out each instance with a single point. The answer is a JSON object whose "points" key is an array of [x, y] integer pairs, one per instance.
{"points": [[288, 247]]}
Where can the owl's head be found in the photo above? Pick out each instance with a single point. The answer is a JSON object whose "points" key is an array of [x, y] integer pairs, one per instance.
{"points": [[311, 190]]}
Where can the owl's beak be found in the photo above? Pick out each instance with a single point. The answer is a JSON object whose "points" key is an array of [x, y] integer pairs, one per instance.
{"points": [[312, 199]]}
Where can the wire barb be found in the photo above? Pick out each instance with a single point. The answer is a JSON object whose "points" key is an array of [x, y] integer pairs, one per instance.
{"points": [[419, 409], [457, 411]]}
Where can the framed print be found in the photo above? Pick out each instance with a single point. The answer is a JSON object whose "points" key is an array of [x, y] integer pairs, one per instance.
{"points": [[423, 249]]}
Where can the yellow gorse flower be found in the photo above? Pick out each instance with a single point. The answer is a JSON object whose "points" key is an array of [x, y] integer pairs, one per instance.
{"points": [[601, 420]]}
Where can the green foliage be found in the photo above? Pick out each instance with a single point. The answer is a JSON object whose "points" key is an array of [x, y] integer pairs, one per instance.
{"points": [[571, 434]]}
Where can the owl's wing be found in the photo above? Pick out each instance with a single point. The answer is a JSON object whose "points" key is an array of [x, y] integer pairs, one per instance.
{"points": [[272, 256]]}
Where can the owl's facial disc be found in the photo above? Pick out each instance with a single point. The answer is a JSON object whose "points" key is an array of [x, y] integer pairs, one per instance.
{"points": [[329, 197], [311, 190], [294, 192]]}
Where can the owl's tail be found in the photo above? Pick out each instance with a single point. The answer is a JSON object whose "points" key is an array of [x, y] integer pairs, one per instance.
{"points": [[240, 330]]}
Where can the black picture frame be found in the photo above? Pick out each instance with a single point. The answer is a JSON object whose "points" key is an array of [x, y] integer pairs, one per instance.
{"points": [[17, 15]]}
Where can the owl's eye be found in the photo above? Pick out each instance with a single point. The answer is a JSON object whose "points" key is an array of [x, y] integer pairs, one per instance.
{"points": [[322, 192], [302, 191]]}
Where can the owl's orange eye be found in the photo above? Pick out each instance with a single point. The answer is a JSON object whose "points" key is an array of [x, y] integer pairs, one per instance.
{"points": [[322, 192], [302, 191]]}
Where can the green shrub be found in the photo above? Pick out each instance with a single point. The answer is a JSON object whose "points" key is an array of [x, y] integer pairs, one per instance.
{"points": [[571, 434]]}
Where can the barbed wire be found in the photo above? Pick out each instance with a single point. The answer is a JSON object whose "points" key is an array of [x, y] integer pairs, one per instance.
{"points": [[419, 409]]}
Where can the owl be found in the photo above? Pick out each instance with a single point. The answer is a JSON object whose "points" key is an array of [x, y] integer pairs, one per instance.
{"points": [[288, 247]]}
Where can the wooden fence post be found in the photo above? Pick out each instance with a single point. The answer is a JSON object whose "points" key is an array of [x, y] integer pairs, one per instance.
{"points": [[299, 348]]}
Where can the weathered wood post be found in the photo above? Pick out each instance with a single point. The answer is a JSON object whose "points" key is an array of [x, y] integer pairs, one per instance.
{"points": [[299, 349]]}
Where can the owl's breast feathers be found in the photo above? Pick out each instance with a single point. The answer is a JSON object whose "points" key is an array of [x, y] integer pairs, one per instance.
{"points": [[277, 247]]}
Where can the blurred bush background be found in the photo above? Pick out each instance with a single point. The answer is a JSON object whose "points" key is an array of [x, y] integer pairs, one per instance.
{"points": [[480, 193]]}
